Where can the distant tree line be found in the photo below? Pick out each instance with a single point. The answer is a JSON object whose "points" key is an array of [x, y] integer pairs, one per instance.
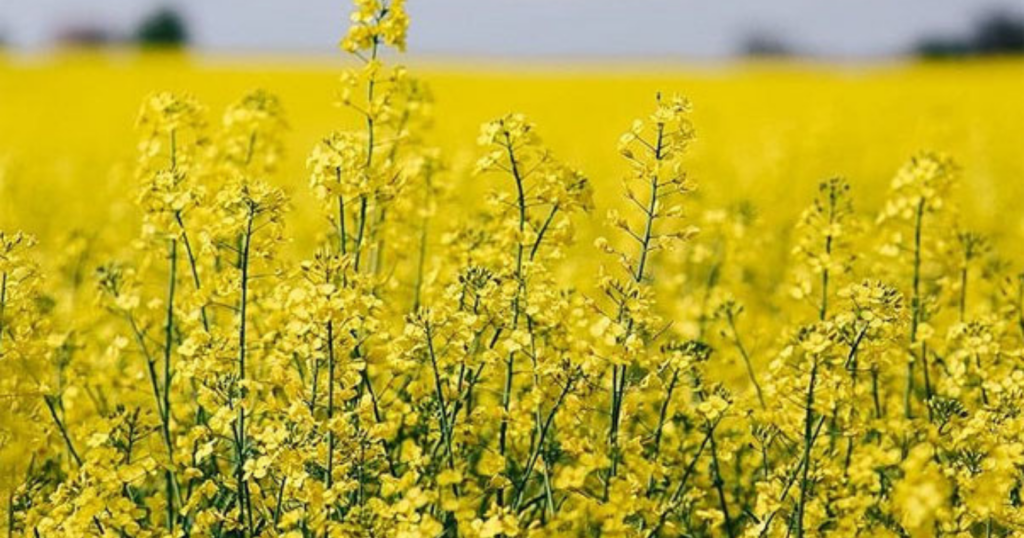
{"points": [[765, 44], [163, 28], [997, 33]]}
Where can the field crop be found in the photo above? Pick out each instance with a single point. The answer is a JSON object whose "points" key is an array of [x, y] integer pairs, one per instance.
{"points": [[758, 300]]}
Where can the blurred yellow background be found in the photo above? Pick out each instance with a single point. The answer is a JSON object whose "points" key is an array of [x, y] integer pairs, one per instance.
{"points": [[767, 131]]}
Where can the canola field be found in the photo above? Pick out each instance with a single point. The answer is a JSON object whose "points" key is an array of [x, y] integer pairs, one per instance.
{"points": [[267, 297]]}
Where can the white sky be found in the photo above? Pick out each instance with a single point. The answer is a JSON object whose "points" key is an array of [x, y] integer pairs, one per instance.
{"points": [[601, 28]]}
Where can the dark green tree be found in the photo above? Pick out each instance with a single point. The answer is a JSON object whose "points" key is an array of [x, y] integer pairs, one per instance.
{"points": [[163, 28]]}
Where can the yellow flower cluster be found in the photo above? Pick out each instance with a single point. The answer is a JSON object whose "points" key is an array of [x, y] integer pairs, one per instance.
{"points": [[376, 23], [415, 376]]}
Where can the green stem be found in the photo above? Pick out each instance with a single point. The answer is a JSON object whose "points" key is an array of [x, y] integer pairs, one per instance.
{"points": [[719, 484], [420, 263], [541, 436], [915, 305], [342, 232], [63, 430], [619, 373], [874, 392], [823, 311], [313, 382], [678, 494], [1020, 303], [963, 292], [162, 401], [330, 404], [663, 414], [805, 483], [543, 230], [378, 236], [370, 146], [650, 213], [791, 480], [240, 448], [3, 307], [927, 379], [280, 500], [506, 395], [172, 486], [361, 230], [746, 358], [446, 432], [174, 149], [193, 265]]}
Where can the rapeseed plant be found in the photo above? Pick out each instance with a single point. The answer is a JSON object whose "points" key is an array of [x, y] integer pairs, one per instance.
{"points": [[419, 374]]}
